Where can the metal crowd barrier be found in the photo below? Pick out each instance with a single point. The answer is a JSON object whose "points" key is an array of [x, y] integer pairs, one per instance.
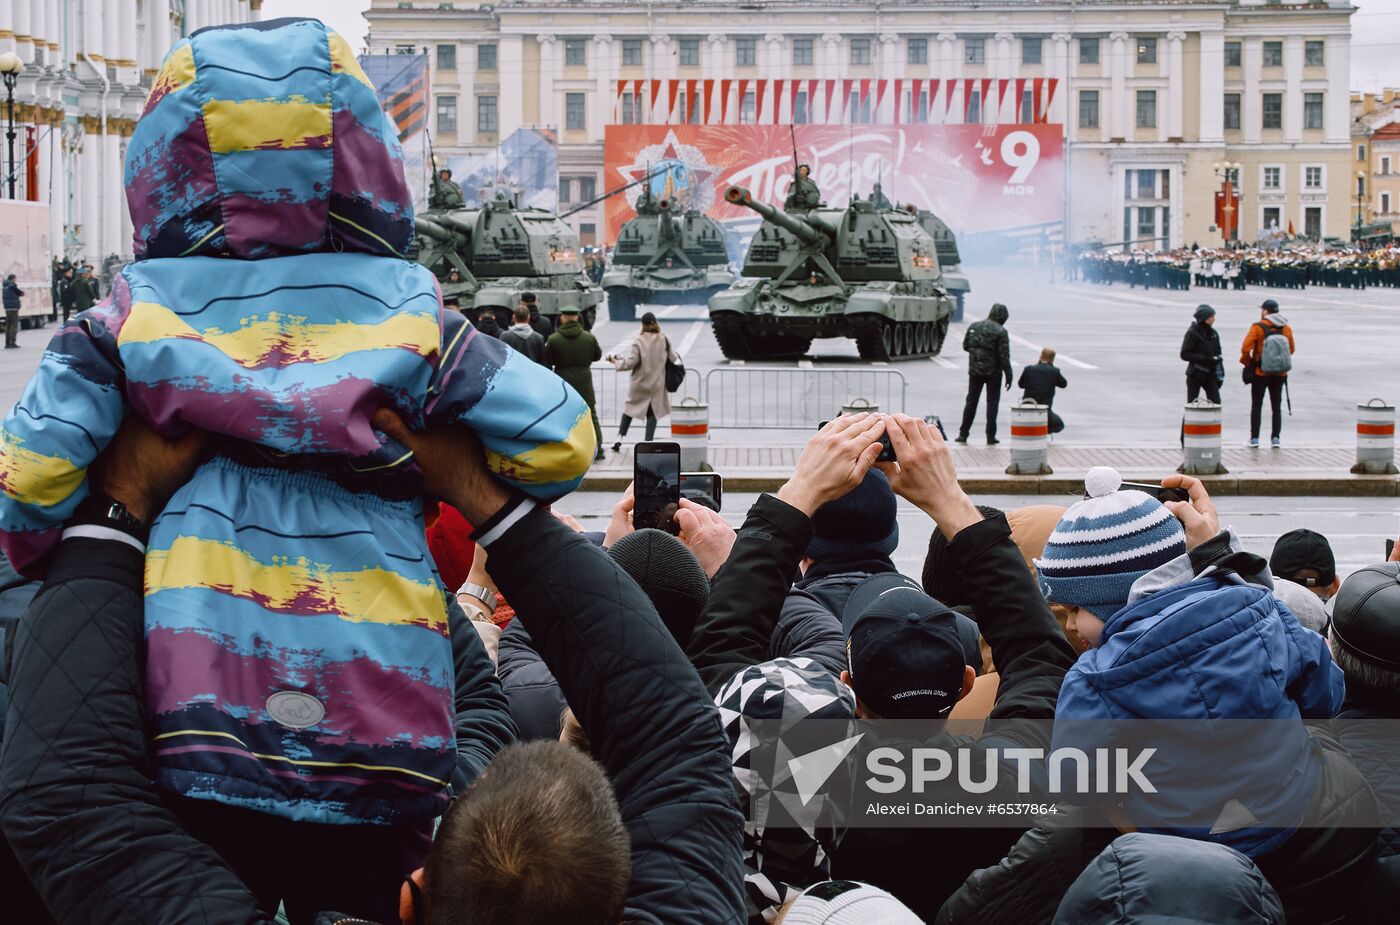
{"points": [[759, 397]]}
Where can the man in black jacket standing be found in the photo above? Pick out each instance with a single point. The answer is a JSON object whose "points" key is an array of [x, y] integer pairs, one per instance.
{"points": [[1200, 348], [988, 349], [10, 298], [1040, 381]]}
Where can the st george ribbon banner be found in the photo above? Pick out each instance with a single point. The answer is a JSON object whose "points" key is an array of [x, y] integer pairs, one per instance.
{"points": [[401, 81], [1005, 179]]}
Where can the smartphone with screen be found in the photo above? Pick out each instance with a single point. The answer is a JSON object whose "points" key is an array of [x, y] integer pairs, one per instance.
{"points": [[886, 447], [656, 485], [1389, 549], [708, 482], [1157, 491]]}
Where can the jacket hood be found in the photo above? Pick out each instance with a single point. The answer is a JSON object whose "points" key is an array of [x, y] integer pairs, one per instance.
{"points": [[999, 314], [265, 139], [1144, 879], [570, 329]]}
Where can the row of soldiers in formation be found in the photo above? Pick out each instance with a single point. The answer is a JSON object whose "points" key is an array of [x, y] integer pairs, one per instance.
{"points": [[1239, 268]]}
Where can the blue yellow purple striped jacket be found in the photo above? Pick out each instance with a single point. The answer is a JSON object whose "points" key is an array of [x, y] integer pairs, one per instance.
{"points": [[298, 660]]}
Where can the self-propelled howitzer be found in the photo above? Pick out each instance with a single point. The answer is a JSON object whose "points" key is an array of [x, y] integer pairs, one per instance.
{"points": [[861, 272]]}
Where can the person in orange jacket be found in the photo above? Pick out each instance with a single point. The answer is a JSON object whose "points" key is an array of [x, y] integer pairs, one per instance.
{"points": [[1266, 366]]}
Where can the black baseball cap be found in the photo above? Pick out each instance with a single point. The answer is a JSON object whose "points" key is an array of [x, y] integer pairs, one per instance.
{"points": [[1366, 615], [1304, 549], [1269, 306], [904, 649]]}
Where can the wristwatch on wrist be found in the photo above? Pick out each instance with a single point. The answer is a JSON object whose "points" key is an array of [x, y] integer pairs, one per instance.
{"points": [[481, 593], [100, 510]]}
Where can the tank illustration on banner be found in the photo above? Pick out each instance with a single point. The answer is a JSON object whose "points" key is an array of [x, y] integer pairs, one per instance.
{"points": [[665, 257], [862, 272]]}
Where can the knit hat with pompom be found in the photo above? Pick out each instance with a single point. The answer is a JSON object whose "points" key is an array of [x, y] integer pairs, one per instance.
{"points": [[1105, 543]]}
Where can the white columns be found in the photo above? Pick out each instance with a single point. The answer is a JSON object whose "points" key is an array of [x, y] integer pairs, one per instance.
{"points": [[93, 33], [1119, 106], [510, 61], [1004, 66], [1251, 117], [90, 195], [1293, 88], [1337, 106], [947, 69], [7, 16], [53, 33], [770, 60], [114, 195], [24, 40], [1059, 109], [129, 72], [1176, 90], [158, 40], [549, 73], [833, 64], [1212, 82], [603, 61], [889, 67]]}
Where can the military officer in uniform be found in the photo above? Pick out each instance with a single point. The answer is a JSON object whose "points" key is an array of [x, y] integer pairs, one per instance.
{"points": [[804, 194]]}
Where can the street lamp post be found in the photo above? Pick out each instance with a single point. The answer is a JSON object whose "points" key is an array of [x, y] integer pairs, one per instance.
{"points": [[10, 66], [1360, 193]]}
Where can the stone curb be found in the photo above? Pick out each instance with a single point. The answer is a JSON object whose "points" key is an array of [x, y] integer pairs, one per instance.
{"points": [[1315, 485]]}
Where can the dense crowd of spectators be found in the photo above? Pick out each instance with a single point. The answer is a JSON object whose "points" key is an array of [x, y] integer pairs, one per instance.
{"points": [[1287, 267], [293, 633]]}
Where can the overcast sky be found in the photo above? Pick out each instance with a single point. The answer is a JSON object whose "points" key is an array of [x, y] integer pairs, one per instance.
{"points": [[1375, 56]]}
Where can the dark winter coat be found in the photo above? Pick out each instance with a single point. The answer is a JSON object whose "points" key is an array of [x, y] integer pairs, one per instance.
{"points": [[1147, 879], [536, 702], [542, 325], [525, 339], [85, 293], [1367, 731], [12, 294], [656, 732], [1040, 380], [68, 292], [1200, 348], [571, 351], [988, 347], [76, 802]]}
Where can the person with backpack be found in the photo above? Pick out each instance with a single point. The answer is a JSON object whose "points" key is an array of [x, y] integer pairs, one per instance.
{"points": [[1267, 356]]}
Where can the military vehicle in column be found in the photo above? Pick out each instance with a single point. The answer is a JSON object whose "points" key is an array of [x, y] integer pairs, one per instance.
{"points": [[663, 257], [862, 272], [949, 261], [487, 256]]}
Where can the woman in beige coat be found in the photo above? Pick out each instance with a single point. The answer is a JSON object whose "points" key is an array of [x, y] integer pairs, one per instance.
{"points": [[645, 357]]}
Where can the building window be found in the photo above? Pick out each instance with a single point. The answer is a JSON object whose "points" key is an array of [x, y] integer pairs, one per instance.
{"points": [[1030, 51], [1385, 165], [1271, 218], [632, 52], [974, 107], [974, 51], [575, 53], [1312, 177], [588, 233], [1312, 222], [486, 57], [565, 185], [1273, 54], [747, 113], [1232, 54], [405, 50], [860, 51], [447, 114], [1361, 152], [1088, 51], [1313, 55], [801, 51], [859, 108], [447, 57], [486, 114], [1385, 203], [1232, 111], [574, 111], [799, 108], [1146, 223], [916, 107], [1273, 110], [917, 51], [630, 109], [1273, 178], [1147, 109], [1146, 51], [1146, 184], [1088, 109], [1027, 107], [1361, 186], [690, 52], [587, 188], [690, 109], [1312, 110], [745, 51]]}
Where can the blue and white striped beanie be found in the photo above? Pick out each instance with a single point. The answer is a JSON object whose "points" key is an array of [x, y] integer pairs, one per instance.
{"points": [[1105, 543]]}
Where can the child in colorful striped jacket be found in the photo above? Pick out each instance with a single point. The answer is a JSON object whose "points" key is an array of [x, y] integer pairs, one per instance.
{"points": [[298, 656]]}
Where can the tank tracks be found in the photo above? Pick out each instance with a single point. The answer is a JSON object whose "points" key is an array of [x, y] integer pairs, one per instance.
{"points": [[737, 344], [880, 340]]}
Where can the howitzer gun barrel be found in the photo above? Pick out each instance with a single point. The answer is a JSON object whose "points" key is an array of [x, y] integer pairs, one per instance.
{"points": [[811, 232]]}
